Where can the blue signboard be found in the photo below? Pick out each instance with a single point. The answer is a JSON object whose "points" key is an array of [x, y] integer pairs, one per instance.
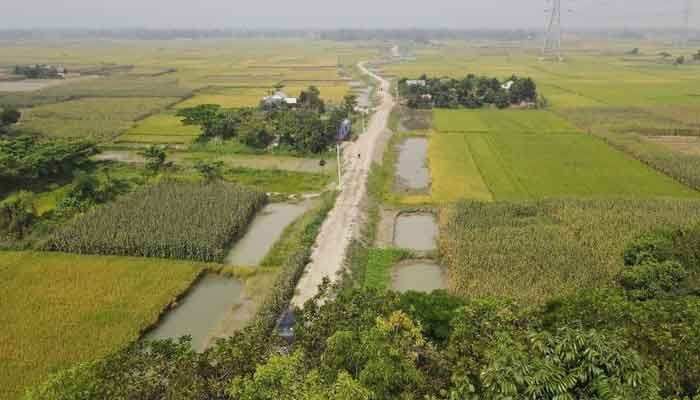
{"points": [[344, 130]]}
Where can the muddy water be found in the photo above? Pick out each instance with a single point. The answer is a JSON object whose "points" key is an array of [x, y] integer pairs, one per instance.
{"points": [[419, 276], [264, 231], [415, 232], [199, 313], [411, 171]]}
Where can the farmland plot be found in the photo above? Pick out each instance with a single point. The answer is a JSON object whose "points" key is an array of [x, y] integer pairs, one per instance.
{"points": [[534, 155], [96, 118], [62, 309], [161, 128], [532, 252], [199, 223]]}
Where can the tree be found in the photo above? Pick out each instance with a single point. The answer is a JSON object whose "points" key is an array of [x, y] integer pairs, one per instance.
{"points": [[211, 171], [9, 116], [653, 280], [155, 158], [199, 115], [254, 132], [310, 99], [26, 158], [680, 60], [349, 104], [17, 215], [696, 56]]}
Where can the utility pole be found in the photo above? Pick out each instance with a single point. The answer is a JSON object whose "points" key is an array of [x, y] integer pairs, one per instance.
{"points": [[552, 39]]}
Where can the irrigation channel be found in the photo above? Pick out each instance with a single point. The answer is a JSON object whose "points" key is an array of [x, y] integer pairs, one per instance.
{"points": [[216, 305]]}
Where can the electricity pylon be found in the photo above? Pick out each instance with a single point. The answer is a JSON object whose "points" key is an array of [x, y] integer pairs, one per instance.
{"points": [[686, 22], [552, 39]]}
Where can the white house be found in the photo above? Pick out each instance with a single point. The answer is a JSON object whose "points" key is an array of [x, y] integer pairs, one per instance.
{"points": [[279, 98], [507, 85], [415, 82]]}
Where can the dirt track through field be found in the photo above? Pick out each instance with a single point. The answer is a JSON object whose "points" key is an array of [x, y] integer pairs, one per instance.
{"points": [[344, 221]]}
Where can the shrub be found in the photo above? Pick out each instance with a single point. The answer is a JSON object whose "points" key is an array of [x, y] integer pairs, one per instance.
{"points": [[653, 280]]}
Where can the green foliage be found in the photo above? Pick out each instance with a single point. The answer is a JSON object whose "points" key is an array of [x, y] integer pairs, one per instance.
{"points": [[434, 312], [199, 115], [662, 331], [310, 99], [9, 116], [88, 191], [199, 223], [653, 280], [211, 171], [155, 158], [17, 216], [469, 92], [28, 158]]}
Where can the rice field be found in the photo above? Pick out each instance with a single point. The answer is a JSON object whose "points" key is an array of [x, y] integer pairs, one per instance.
{"points": [[522, 155], [101, 118], [61, 309], [161, 128]]}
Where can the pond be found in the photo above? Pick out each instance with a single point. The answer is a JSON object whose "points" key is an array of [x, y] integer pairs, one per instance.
{"points": [[416, 232], [265, 230], [419, 276], [208, 303], [411, 170]]}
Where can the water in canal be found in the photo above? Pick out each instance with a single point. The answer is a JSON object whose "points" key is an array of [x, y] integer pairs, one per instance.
{"points": [[264, 231], [419, 276], [199, 313], [411, 170], [416, 232]]}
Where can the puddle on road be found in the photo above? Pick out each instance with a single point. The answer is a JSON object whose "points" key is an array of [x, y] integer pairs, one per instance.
{"points": [[199, 313], [416, 232], [419, 276], [264, 231], [411, 170]]}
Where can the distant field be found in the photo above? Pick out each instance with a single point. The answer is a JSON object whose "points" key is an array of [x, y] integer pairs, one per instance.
{"points": [[98, 118], [251, 97], [59, 309], [500, 121], [532, 155], [161, 128]]}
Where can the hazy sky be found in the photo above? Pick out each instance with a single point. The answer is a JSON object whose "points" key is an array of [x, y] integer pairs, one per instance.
{"points": [[464, 14]]}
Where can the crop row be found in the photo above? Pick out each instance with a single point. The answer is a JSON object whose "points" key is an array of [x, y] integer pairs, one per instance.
{"points": [[192, 221]]}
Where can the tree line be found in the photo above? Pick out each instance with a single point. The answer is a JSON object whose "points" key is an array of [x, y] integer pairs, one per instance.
{"points": [[470, 92], [309, 127]]}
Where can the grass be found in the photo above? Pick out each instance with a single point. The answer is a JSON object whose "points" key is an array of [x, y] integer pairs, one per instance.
{"points": [[379, 264], [279, 181], [534, 251], [161, 128], [96, 118], [61, 309]]}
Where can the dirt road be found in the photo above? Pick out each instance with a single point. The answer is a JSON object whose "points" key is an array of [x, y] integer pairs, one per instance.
{"points": [[344, 222]]}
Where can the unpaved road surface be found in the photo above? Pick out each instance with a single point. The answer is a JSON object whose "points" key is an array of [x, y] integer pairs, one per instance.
{"points": [[344, 222]]}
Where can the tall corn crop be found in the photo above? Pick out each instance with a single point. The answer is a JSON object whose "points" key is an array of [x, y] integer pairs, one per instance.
{"points": [[192, 221]]}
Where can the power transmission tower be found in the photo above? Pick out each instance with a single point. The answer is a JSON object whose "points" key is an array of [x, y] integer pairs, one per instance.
{"points": [[552, 39], [686, 22]]}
